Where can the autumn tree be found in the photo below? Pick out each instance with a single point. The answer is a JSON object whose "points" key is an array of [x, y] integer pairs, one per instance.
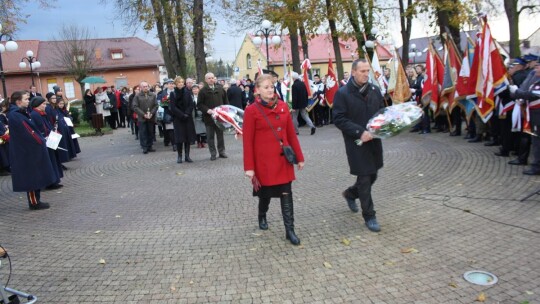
{"points": [[513, 11], [12, 12], [75, 52]]}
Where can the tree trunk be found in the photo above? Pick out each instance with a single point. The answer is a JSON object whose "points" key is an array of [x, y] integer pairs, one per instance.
{"points": [[335, 39], [512, 14], [181, 44], [198, 39], [162, 37], [445, 26], [406, 22], [295, 53], [352, 15], [304, 41], [171, 39]]}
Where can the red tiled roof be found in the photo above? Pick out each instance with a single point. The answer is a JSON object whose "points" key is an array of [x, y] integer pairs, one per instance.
{"points": [[319, 48], [137, 53]]}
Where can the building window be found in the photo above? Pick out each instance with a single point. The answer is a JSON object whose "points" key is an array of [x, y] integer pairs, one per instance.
{"points": [[117, 54], [50, 84], [248, 61], [316, 71], [69, 88]]}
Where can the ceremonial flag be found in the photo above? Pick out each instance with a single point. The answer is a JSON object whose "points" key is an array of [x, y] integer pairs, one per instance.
{"points": [[306, 65], [372, 78], [440, 79], [288, 82], [402, 91], [451, 69], [430, 90], [259, 68], [392, 82], [465, 94], [378, 72], [331, 84], [491, 79]]}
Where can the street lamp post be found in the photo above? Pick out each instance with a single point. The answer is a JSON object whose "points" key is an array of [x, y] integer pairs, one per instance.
{"points": [[32, 62], [11, 46], [266, 31], [414, 53]]}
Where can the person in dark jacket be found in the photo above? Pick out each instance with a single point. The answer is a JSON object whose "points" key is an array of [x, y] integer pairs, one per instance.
{"points": [[165, 98], [31, 168], [181, 107], [89, 104], [247, 97], [113, 119], [300, 103], [145, 105], [212, 95], [132, 114], [354, 104], [234, 95]]}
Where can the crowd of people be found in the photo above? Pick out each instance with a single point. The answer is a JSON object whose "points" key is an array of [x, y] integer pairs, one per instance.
{"points": [[36, 139]]}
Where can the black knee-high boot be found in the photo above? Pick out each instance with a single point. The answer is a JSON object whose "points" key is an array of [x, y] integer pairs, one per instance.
{"points": [[264, 202], [186, 149], [179, 151], [288, 218]]}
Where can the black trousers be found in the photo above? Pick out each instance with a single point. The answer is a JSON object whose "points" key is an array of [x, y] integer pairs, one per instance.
{"points": [[145, 134], [362, 190]]}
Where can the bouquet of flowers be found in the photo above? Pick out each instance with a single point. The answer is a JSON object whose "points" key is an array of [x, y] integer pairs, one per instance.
{"points": [[165, 101], [229, 118], [5, 137], [392, 120]]}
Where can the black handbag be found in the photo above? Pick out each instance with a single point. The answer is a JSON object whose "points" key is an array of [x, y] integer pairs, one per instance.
{"points": [[287, 151]]}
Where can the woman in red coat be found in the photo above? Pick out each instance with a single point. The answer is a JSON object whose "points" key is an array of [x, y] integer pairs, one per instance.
{"points": [[263, 157]]}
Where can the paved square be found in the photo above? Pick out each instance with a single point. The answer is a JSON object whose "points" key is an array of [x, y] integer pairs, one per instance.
{"points": [[188, 233]]}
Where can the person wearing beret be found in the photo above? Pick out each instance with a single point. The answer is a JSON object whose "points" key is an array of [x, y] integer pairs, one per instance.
{"points": [[31, 168], [44, 126]]}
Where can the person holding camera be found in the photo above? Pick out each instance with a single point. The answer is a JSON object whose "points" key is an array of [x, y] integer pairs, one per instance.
{"points": [[271, 148], [354, 104]]}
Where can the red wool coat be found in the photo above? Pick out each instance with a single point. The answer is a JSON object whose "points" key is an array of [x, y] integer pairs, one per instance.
{"points": [[262, 151]]}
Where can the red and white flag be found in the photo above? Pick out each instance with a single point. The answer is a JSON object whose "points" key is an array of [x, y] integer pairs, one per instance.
{"points": [[491, 74], [331, 84], [306, 65]]}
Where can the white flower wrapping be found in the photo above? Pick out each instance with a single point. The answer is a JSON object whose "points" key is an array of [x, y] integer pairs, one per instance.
{"points": [[392, 120]]}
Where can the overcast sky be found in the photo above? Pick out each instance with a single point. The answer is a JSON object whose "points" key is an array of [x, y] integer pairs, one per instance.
{"points": [[102, 21]]}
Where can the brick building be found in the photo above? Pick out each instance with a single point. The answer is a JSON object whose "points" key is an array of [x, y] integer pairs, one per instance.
{"points": [[120, 61]]}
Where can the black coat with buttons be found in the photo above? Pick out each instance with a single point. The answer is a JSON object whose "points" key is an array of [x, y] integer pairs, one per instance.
{"points": [[352, 110]]}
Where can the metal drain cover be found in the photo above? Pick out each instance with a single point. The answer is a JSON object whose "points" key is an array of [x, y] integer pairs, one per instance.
{"points": [[479, 277]]}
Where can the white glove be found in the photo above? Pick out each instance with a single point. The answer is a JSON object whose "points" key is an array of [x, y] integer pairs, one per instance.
{"points": [[512, 88], [210, 111], [413, 90]]}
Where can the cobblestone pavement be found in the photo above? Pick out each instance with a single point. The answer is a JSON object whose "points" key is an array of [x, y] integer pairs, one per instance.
{"points": [[188, 233]]}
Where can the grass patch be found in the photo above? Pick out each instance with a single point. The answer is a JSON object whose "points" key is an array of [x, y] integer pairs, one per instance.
{"points": [[85, 129]]}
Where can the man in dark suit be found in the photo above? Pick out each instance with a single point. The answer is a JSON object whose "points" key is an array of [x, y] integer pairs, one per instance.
{"points": [[33, 91], [277, 85], [354, 104], [300, 103], [234, 94]]}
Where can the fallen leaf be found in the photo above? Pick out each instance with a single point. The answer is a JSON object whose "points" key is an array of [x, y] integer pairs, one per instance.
{"points": [[118, 216], [327, 265], [346, 242], [529, 292], [467, 210], [481, 297], [409, 250], [420, 174], [453, 284], [59, 192], [173, 288], [99, 231], [102, 261], [389, 263], [190, 282], [179, 173], [256, 234], [252, 249]]}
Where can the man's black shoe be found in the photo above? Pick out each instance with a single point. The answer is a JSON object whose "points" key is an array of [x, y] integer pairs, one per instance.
{"points": [[313, 130], [531, 172], [223, 155], [500, 153], [424, 132], [491, 144], [373, 225], [476, 139], [145, 151], [351, 202], [414, 130], [151, 150], [468, 136], [54, 186], [518, 162], [454, 133], [213, 157], [40, 206]]}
